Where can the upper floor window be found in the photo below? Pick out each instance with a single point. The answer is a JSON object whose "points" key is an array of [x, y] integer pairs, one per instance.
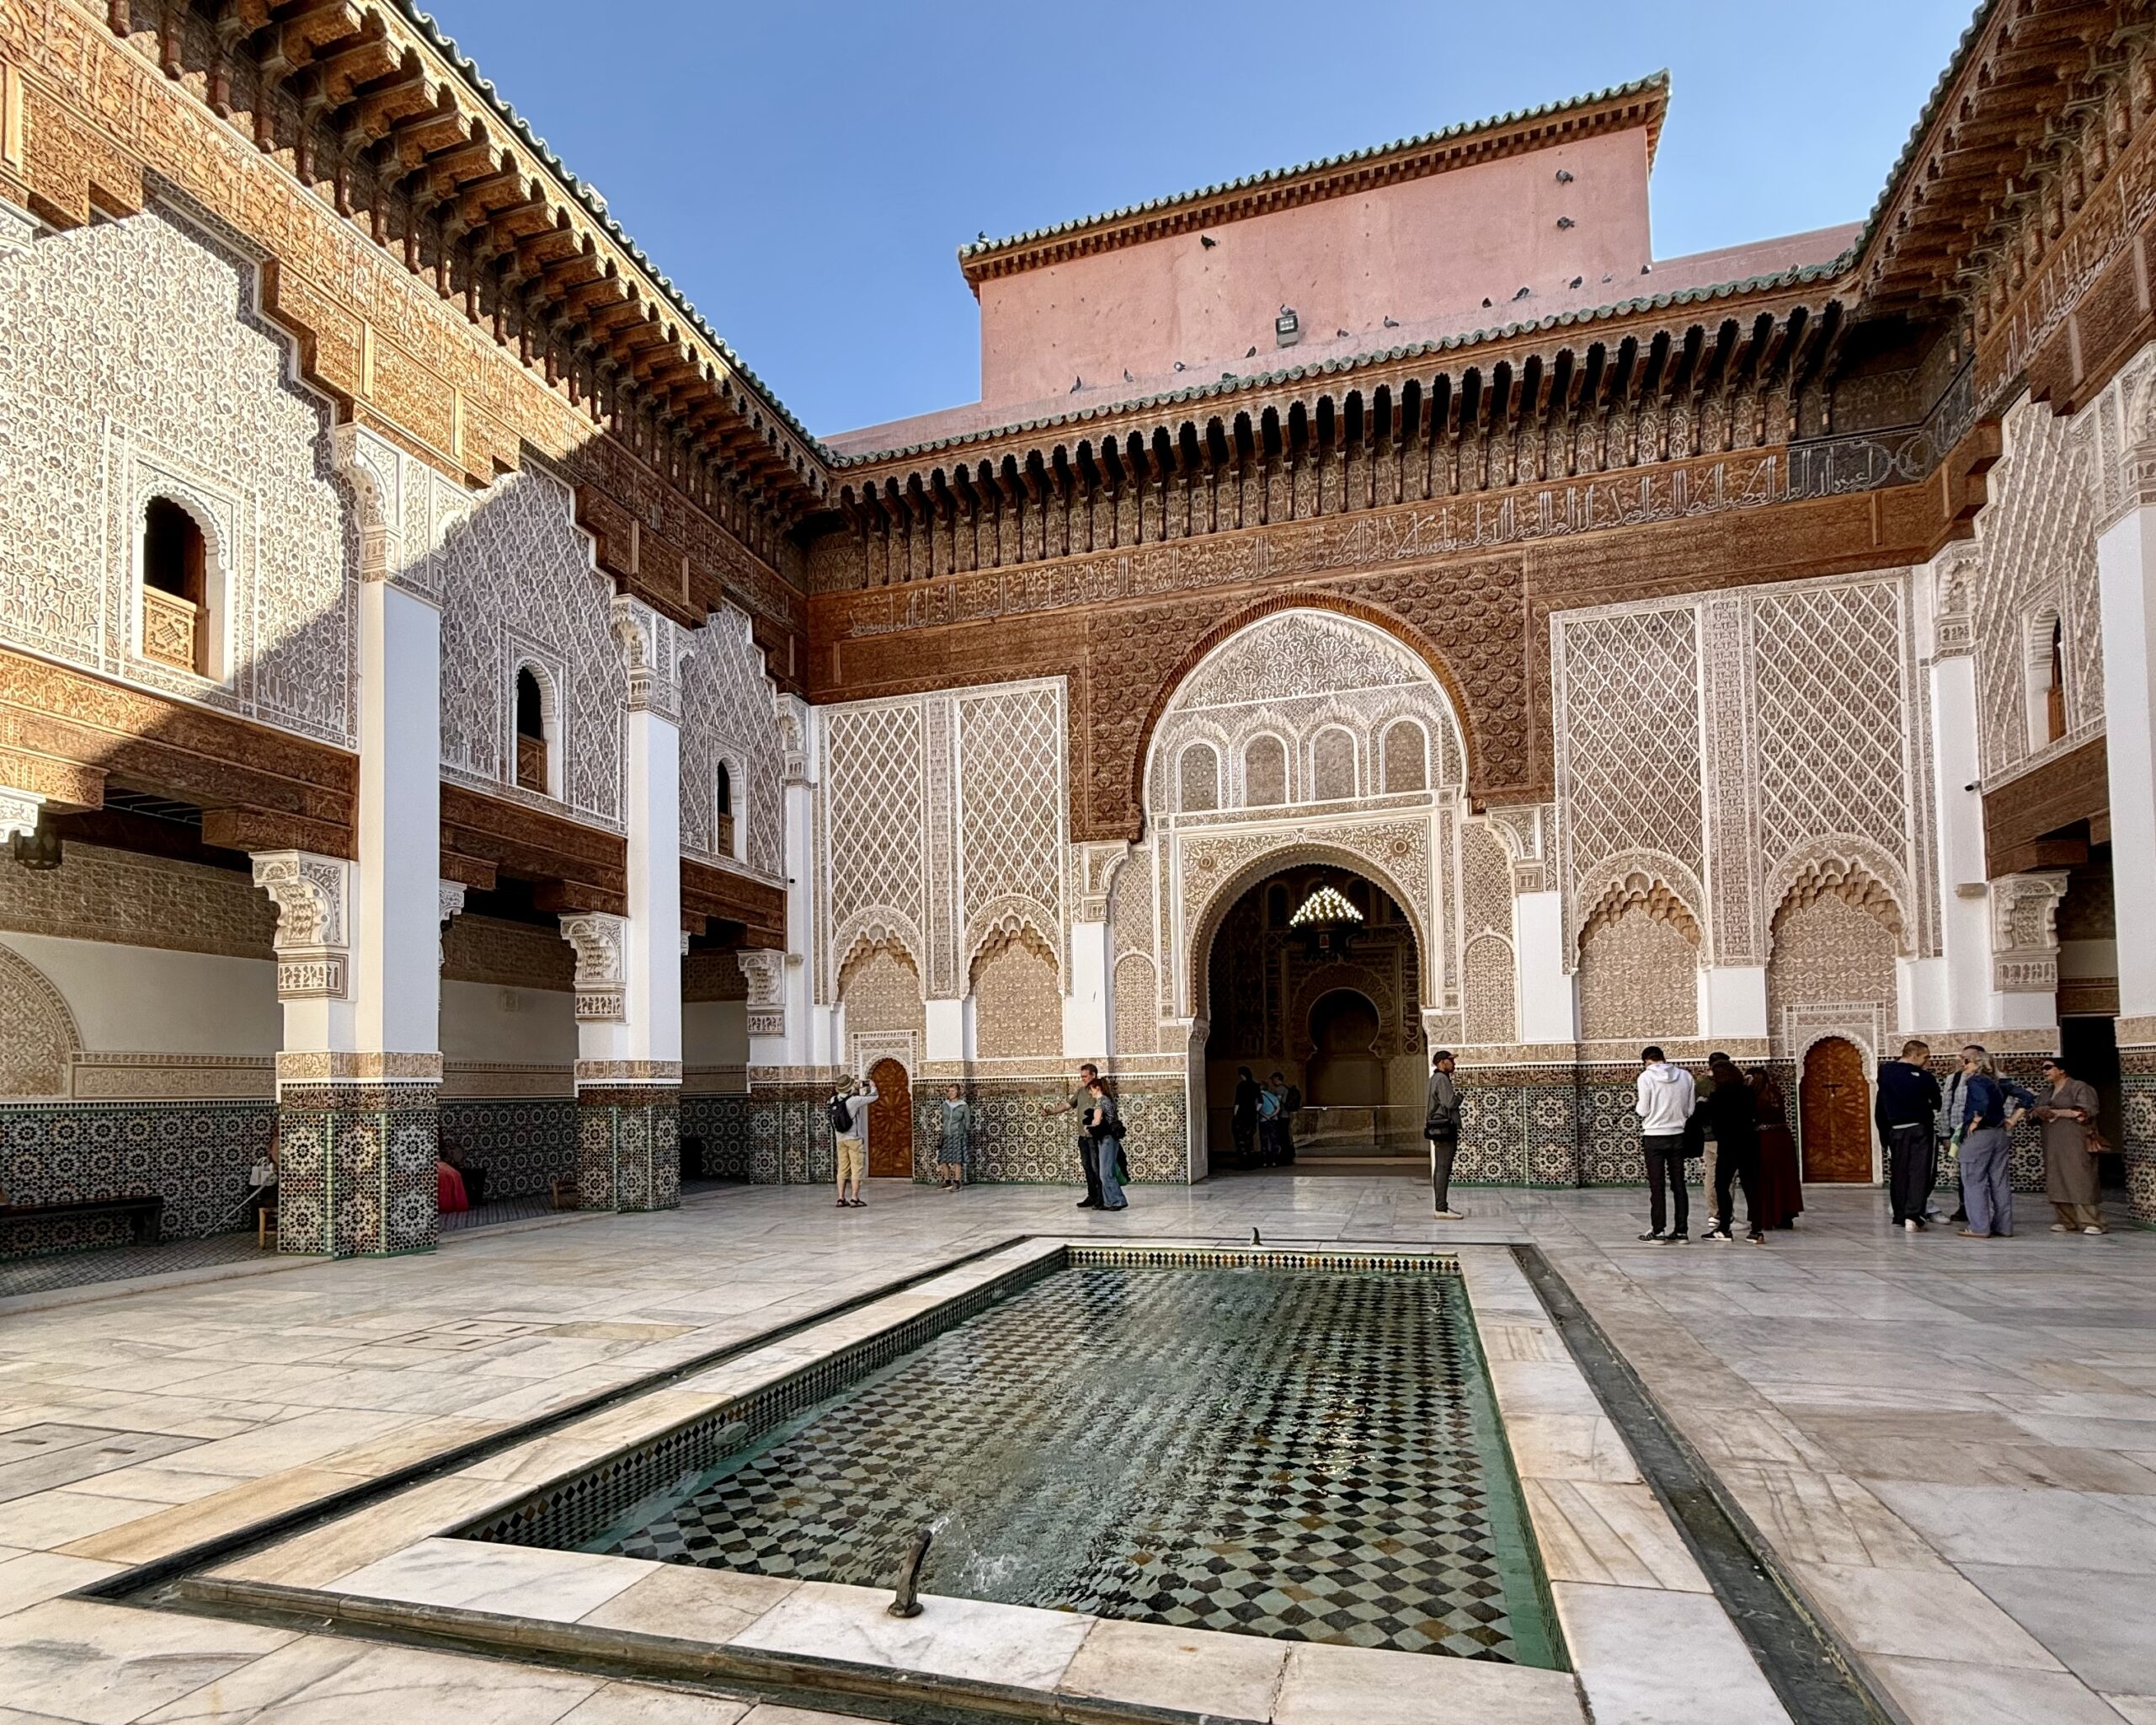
{"points": [[2055, 694], [175, 588], [726, 811], [2044, 678], [535, 733]]}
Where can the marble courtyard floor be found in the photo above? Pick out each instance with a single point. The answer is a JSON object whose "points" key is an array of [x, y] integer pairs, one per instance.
{"points": [[1949, 1444]]}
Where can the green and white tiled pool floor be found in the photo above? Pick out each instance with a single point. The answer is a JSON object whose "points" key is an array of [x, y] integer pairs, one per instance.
{"points": [[1310, 1455]]}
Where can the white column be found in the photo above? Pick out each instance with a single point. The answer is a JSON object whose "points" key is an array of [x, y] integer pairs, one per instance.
{"points": [[2125, 572], [945, 1030], [809, 1036], [1953, 992], [1086, 1007], [641, 1041], [1733, 1002], [397, 924], [1549, 1009]]}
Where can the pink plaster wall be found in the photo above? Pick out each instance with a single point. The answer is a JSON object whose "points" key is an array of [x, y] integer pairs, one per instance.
{"points": [[1428, 250]]}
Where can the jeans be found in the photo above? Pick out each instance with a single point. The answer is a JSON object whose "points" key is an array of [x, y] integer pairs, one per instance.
{"points": [[1734, 1163], [1089, 1158], [1665, 1160], [1105, 1152], [1985, 1191], [1442, 1152], [1911, 1168]]}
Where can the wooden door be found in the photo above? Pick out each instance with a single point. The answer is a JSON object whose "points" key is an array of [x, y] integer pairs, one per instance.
{"points": [[890, 1121], [1834, 1108]]}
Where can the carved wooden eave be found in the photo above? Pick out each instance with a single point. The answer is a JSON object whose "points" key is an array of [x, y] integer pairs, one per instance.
{"points": [[372, 112], [1664, 381], [2042, 103]]}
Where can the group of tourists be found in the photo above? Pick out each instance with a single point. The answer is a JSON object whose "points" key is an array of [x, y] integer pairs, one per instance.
{"points": [[1737, 1125], [1100, 1139], [1261, 1118]]}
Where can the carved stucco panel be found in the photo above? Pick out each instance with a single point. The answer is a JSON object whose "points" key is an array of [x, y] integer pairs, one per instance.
{"points": [[727, 714], [137, 363]]}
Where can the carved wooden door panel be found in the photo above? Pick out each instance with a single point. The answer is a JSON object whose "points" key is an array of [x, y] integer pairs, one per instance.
{"points": [[890, 1121], [1834, 1108]]}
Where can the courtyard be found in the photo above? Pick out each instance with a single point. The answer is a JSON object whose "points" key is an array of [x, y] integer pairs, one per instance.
{"points": [[1946, 1447]]}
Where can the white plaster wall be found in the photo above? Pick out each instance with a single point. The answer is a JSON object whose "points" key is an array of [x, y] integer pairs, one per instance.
{"points": [[145, 1000], [715, 1034], [522, 1027]]}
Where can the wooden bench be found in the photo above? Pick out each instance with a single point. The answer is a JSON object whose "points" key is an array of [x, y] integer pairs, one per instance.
{"points": [[144, 1214], [265, 1219], [561, 1193]]}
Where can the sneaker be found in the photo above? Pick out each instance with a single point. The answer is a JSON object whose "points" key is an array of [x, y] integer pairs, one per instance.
{"points": [[1715, 1234], [1756, 1239], [1450, 1215], [1911, 1224], [1675, 1240], [2095, 1231], [1971, 1234], [1656, 1234], [1086, 1204], [2061, 1228]]}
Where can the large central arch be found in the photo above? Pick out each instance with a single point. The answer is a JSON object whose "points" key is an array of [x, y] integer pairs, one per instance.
{"points": [[1306, 734]]}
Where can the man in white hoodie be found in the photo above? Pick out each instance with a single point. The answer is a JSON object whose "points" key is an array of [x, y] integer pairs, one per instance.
{"points": [[1665, 1098]]}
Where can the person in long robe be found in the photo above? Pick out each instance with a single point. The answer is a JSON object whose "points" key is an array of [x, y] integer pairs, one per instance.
{"points": [[1781, 1182], [2070, 1176]]}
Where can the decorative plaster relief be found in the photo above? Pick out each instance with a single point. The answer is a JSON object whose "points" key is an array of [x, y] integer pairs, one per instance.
{"points": [[732, 712], [2025, 931], [311, 893], [602, 976], [140, 366]]}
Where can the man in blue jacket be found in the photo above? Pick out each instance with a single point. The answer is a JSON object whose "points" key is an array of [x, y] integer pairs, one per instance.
{"points": [[1906, 1111]]}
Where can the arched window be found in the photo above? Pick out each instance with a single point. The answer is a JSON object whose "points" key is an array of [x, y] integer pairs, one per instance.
{"points": [[2055, 695], [535, 725], [175, 588], [1406, 757], [726, 811], [1332, 766], [1265, 772], [1200, 778]]}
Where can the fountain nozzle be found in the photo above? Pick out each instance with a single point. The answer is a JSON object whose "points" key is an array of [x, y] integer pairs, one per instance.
{"points": [[906, 1604]]}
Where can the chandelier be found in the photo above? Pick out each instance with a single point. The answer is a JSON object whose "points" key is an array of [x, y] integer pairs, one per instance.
{"points": [[1325, 906]]}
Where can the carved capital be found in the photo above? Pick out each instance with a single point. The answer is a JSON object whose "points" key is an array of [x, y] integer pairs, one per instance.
{"points": [[601, 944], [391, 493], [650, 658], [312, 894], [450, 899], [18, 813], [1098, 865], [1954, 573], [766, 972], [791, 713], [2025, 931]]}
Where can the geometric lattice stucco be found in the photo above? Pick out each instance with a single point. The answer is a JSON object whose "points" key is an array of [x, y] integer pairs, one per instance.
{"points": [[1638, 978]]}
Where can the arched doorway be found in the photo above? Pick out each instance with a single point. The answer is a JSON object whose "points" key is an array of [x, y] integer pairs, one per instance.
{"points": [[1314, 973], [890, 1121], [1345, 1071], [1834, 1113]]}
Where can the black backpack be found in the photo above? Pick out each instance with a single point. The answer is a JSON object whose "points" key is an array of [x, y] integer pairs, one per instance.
{"points": [[843, 1116]]}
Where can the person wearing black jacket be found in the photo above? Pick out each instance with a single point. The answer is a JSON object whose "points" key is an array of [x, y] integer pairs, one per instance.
{"points": [[1731, 1116], [1908, 1105]]}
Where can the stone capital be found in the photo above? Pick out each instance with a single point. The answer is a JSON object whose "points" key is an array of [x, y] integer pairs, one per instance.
{"points": [[313, 894], [650, 658], [2025, 931], [601, 944], [18, 813]]}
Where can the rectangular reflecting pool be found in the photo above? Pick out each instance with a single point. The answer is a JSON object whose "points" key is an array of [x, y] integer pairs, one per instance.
{"points": [[1305, 1449]]}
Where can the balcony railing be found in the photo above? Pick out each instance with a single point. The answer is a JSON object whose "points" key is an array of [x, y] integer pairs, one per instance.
{"points": [[172, 627], [531, 763]]}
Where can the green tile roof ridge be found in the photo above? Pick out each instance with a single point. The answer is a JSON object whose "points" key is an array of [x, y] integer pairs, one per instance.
{"points": [[1465, 128], [1230, 382], [596, 206]]}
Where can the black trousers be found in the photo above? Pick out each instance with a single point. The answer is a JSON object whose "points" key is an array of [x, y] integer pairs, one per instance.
{"points": [[1089, 1159], [1912, 1167], [1442, 1152], [1737, 1162], [1665, 1160]]}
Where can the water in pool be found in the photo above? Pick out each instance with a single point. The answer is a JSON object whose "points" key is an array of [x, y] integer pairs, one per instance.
{"points": [[1303, 1453]]}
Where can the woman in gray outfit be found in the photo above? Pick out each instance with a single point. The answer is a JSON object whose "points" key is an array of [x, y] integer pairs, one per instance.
{"points": [[1100, 1117], [957, 1138]]}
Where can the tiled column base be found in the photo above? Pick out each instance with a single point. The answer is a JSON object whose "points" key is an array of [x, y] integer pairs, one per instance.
{"points": [[355, 1168], [629, 1147], [2137, 1088]]}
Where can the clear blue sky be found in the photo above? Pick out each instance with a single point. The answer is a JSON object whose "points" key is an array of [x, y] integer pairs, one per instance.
{"points": [[803, 169]]}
